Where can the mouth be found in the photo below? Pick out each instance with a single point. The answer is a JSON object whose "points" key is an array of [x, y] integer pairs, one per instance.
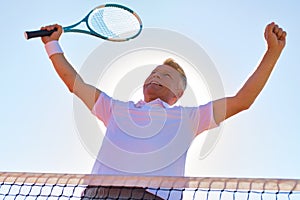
{"points": [[155, 83]]}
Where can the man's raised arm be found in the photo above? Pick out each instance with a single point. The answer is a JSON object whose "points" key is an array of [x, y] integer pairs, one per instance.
{"points": [[227, 107], [87, 93]]}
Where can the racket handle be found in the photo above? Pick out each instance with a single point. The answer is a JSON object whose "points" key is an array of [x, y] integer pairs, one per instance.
{"points": [[40, 33]]}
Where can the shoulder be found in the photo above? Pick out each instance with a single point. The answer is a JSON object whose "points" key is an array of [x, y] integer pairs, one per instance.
{"points": [[105, 98]]}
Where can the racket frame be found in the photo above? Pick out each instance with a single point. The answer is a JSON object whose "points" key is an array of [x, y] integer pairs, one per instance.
{"points": [[90, 31]]}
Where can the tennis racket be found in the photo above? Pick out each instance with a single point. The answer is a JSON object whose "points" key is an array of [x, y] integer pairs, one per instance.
{"points": [[111, 22]]}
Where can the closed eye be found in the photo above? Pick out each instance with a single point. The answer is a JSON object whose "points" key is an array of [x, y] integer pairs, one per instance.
{"points": [[162, 73], [168, 75]]}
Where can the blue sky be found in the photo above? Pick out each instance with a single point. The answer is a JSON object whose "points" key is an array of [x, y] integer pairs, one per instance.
{"points": [[37, 128]]}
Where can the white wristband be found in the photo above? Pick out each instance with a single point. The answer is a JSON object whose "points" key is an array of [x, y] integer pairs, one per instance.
{"points": [[53, 47]]}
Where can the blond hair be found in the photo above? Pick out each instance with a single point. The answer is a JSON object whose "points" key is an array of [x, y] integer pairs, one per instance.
{"points": [[170, 62]]}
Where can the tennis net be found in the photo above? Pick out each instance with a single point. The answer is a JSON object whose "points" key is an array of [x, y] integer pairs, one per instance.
{"points": [[78, 186]]}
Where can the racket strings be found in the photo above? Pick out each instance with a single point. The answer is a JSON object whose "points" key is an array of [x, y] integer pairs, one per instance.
{"points": [[114, 23]]}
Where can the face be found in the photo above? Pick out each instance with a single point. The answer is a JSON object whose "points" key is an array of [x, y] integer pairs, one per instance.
{"points": [[165, 83]]}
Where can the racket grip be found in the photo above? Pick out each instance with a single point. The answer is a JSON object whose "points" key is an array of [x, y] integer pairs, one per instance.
{"points": [[40, 33]]}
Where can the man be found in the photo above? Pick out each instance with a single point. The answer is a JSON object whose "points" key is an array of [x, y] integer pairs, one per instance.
{"points": [[138, 133]]}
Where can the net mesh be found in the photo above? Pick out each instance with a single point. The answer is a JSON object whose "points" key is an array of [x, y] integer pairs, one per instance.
{"points": [[114, 22], [75, 186]]}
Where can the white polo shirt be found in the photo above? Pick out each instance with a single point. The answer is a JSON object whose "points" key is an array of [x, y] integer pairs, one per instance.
{"points": [[147, 138]]}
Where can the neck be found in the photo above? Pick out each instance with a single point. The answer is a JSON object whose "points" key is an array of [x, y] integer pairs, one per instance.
{"points": [[147, 100]]}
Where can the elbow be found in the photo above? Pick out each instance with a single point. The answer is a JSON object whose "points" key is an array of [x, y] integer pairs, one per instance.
{"points": [[74, 89], [71, 88], [74, 85], [245, 106], [243, 103]]}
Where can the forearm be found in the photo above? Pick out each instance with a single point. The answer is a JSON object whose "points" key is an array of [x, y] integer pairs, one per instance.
{"points": [[65, 71], [256, 82]]}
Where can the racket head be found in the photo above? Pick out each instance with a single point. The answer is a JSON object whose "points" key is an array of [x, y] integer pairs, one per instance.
{"points": [[114, 22]]}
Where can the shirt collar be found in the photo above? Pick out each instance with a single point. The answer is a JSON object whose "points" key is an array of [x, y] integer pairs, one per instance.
{"points": [[155, 103]]}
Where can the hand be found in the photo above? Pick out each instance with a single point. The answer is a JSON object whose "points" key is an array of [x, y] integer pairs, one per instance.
{"points": [[275, 37], [55, 35]]}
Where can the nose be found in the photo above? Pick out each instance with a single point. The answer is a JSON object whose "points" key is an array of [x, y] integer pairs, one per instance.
{"points": [[156, 75]]}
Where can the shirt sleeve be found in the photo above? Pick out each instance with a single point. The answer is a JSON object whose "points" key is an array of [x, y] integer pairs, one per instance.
{"points": [[102, 108], [205, 118]]}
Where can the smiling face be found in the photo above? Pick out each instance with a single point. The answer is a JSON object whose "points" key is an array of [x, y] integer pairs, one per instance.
{"points": [[165, 83]]}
